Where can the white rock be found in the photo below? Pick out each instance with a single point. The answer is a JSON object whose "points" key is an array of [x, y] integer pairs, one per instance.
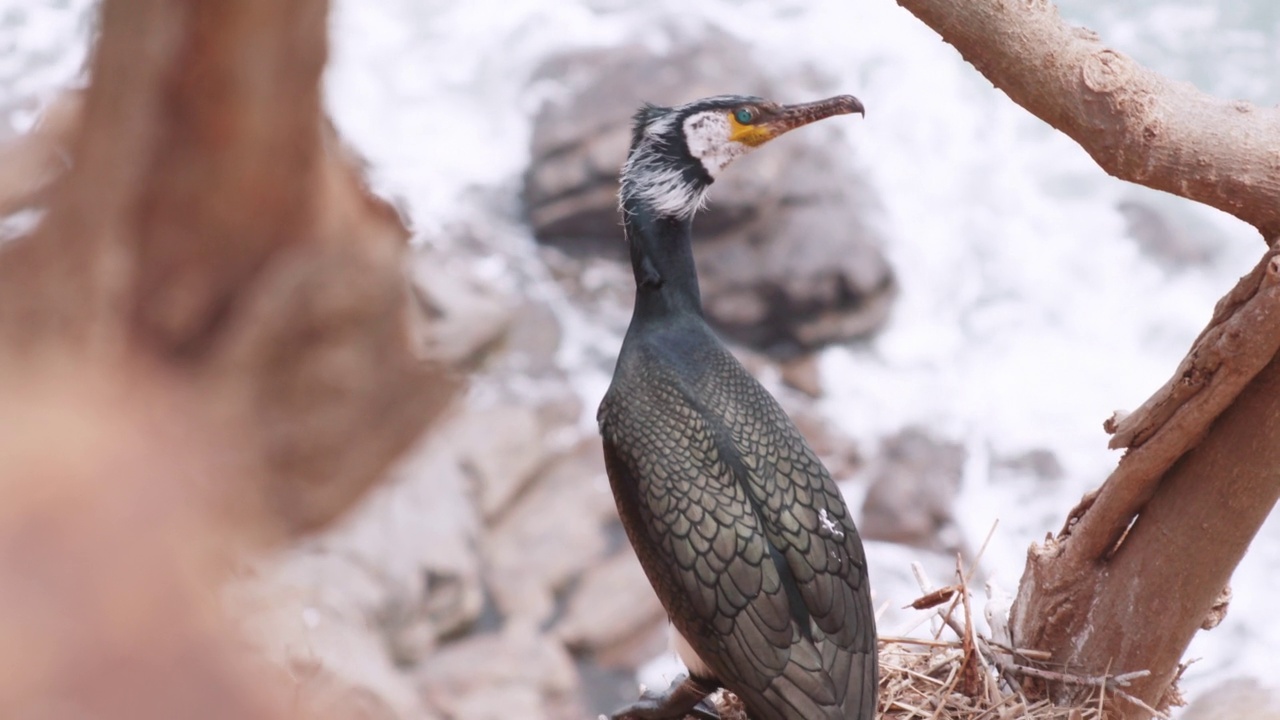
{"points": [[293, 614], [462, 313], [1239, 699], [555, 531], [501, 448], [532, 671], [612, 602]]}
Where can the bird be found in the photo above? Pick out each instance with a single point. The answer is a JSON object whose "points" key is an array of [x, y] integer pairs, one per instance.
{"points": [[740, 529]]}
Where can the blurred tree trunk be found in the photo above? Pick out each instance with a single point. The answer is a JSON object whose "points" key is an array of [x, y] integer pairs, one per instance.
{"points": [[212, 227], [203, 344], [1142, 563]]}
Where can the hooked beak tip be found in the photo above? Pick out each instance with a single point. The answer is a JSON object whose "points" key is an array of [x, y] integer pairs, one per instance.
{"points": [[794, 116]]}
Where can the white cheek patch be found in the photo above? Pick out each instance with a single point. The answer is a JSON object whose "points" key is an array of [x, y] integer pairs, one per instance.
{"points": [[707, 136]]}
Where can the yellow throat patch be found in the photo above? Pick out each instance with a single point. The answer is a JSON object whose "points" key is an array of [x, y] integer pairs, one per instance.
{"points": [[752, 135]]}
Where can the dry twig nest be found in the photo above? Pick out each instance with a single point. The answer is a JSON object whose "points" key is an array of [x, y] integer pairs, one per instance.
{"points": [[962, 674]]}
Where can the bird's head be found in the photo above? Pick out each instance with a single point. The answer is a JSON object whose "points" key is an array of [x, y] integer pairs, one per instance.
{"points": [[677, 152]]}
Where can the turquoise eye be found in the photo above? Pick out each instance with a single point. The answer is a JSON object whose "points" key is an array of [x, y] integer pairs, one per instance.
{"points": [[744, 116]]}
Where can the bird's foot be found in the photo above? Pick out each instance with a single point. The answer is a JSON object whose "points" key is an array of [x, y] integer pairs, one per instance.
{"points": [[686, 696]]}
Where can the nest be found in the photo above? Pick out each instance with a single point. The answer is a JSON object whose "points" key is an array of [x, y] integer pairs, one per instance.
{"points": [[962, 674]]}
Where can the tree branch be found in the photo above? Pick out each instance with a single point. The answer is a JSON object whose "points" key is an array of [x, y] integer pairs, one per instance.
{"points": [[212, 225], [1136, 124], [1240, 340]]}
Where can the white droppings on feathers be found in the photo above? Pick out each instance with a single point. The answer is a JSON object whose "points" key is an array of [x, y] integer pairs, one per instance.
{"points": [[831, 526]]}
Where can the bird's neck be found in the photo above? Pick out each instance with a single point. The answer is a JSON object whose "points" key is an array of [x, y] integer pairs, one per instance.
{"points": [[662, 260]]}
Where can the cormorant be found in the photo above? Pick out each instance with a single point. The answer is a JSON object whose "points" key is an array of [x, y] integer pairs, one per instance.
{"points": [[739, 527]]}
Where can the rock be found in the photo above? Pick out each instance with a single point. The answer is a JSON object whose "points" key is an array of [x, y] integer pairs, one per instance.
{"points": [[305, 613], [1039, 463], [1162, 234], [529, 674], [402, 572], [534, 338], [463, 314], [419, 534], [553, 532], [612, 603], [788, 257], [500, 448], [1238, 699], [387, 589], [499, 703], [802, 373], [914, 482]]}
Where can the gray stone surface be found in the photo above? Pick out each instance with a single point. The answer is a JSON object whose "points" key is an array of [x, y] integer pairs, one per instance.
{"points": [[611, 603], [1239, 699], [914, 482], [1165, 232], [557, 530], [514, 673], [465, 314]]}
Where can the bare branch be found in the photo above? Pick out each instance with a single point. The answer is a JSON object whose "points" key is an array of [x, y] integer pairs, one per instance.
{"points": [[1138, 125], [1242, 337]]}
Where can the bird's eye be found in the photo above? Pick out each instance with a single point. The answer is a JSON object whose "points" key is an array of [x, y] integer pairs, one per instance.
{"points": [[744, 115]]}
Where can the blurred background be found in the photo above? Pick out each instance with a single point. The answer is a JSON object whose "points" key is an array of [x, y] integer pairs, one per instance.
{"points": [[948, 296]]}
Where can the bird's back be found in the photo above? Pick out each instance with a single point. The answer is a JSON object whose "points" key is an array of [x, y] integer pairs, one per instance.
{"points": [[739, 527]]}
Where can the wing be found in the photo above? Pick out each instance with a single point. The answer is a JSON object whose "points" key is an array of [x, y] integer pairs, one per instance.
{"points": [[805, 518], [706, 550]]}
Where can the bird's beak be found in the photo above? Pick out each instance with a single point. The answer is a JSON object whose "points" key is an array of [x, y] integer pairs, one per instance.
{"points": [[789, 117]]}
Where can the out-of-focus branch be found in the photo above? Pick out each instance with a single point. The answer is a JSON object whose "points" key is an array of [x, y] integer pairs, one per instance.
{"points": [[110, 541], [1138, 125], [204, 348], [212, 222]]}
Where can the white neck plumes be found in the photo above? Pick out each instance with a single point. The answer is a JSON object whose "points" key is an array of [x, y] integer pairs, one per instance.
{"points": [[651, 178], [657, 173]]}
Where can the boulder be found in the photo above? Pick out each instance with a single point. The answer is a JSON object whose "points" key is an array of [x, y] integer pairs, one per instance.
{"points": [[611, 604], [501, 448], [1236, 699], [914, 482], [554, 531], [788, 252], [514, 673], [348, 610], [1166, 233], [306, 613], [462, 314], [1039, 463]]}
